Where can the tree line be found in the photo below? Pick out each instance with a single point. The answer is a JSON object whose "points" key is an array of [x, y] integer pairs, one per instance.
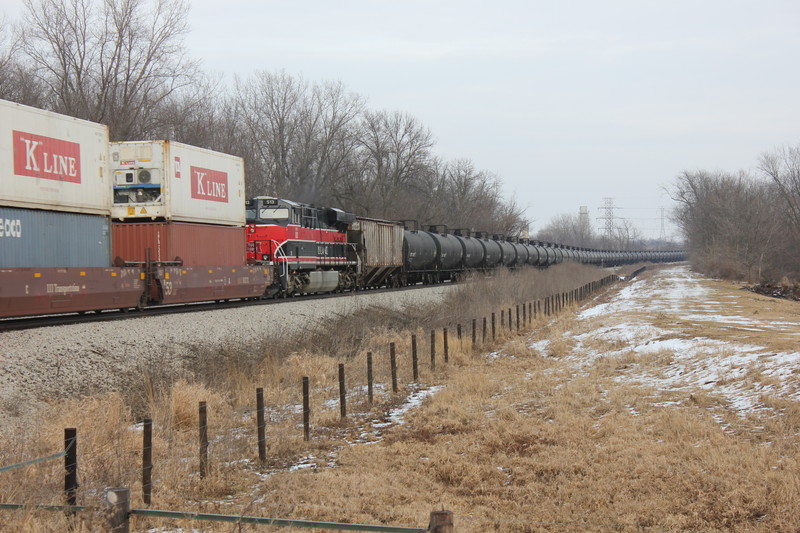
{"points": [[745, 224], [576, 230], [124, 63]]}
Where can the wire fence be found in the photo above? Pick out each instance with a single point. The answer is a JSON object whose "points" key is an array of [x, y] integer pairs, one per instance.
{"points": [[441, 521]]}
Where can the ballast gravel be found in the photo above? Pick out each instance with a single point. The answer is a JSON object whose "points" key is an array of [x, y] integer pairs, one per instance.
{"points": [[38, 365]]}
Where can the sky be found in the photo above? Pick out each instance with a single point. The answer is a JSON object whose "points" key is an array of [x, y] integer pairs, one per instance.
{"points": [[568, 102]]}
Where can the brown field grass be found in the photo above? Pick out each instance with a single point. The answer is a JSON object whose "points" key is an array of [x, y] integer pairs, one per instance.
{"points": [[552, 429]]}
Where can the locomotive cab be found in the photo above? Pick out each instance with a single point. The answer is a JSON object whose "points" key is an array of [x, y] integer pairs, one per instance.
{"points": [[267, 210], [307, 243]]}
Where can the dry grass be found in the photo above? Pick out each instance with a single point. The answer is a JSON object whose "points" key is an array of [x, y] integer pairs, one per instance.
{"points": [[517, 441]]}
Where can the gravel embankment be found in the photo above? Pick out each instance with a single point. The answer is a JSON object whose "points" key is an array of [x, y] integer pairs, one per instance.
{"points": [[73, 360]]}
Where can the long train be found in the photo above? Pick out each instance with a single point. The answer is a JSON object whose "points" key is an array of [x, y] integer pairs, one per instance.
{"points": [[89, 225], [294, 249]]}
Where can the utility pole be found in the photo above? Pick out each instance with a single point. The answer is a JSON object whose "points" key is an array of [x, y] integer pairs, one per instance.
{"points": [[663, 236]]}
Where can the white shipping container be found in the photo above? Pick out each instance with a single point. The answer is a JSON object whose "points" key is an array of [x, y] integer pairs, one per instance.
{"points": [[171, 181], [53, 162]]}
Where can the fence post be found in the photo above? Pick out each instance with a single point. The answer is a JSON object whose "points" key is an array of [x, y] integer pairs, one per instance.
{"points": [[510, 321], [493, 325], [446, 347], [306, 411], [71, 465], [524, 313], [474, 335], [261, 425], [517, 318], [203, 416], [393, 362], [433, 350], [369, 377], [483, 338], [342, 392], [118, 506], [147, 461], [441, 522], [414, 359]]}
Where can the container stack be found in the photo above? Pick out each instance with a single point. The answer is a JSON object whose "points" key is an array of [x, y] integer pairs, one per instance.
{"points": [[55, 207], [54, 199], [185, 204]]}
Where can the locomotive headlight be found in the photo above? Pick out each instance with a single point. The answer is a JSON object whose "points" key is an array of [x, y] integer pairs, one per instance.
{"points": [[144, 176]]}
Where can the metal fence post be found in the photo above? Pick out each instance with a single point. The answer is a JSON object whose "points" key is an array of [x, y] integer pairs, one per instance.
{"points": [[71, 465], [147, 461], [306, 410], [433, 350], [342, 392], [261, 425], [203, 439], [369, 377], [414, 359], [446, 347], [393, 362]]}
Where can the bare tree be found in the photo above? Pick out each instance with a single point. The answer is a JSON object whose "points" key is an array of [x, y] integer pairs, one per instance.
{"points": [[783, 167], [17, 82], [303, 137], [110, 61], [731, 224], [569, 229], [395, 164]]}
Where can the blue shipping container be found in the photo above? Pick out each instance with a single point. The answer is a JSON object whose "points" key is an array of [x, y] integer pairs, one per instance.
{"points": [[51, 239]]}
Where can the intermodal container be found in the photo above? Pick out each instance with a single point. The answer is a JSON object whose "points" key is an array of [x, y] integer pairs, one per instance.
{"points": [[192, 244], [34, 238], [174, 182], [51, 161]]}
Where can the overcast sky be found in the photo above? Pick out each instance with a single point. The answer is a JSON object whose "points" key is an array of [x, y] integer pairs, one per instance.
{"points": [[568, 102]]}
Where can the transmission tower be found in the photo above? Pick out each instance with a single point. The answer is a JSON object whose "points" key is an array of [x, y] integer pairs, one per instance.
{"points": [[663, 236], [607, 217]]}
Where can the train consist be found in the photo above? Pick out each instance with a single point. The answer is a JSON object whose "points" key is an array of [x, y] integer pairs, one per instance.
{"points": [[89, 225]]}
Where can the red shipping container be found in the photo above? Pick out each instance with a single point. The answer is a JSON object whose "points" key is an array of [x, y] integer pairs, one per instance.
{"points": [[195, 244]]}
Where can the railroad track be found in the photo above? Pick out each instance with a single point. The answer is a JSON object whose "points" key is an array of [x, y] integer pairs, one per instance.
{"points": [[23, 323]]}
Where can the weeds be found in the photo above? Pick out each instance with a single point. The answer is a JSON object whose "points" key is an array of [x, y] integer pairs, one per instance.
{"points": [[513, 442]]}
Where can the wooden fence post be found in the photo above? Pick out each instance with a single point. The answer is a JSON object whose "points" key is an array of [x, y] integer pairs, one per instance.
{"points": [[342, 392], [71, 465], [118, 506], [493, 325], [441, 522], [147, 461], [306, 410], [203, 417], [393, 362]]}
